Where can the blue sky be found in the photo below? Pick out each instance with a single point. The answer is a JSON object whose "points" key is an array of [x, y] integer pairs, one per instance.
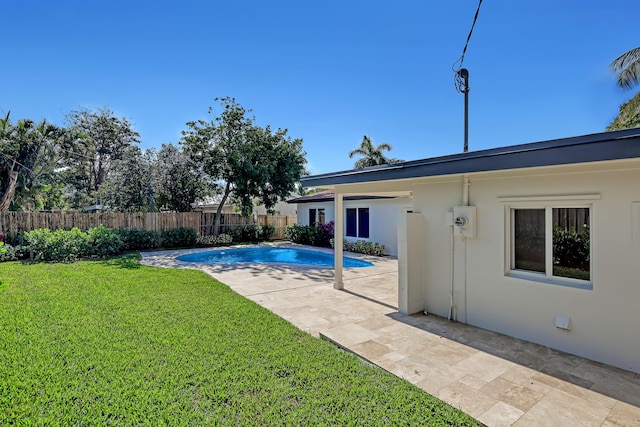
{"points": [[328, 71]]}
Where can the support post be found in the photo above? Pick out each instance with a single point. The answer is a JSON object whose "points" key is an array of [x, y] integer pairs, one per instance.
{"points": [[338, 241]]}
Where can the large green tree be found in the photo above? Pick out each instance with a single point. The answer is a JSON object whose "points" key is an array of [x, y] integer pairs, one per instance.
{"points": [[129, 187], [371, 155], [246, 161], [627, 69], [179, 182], [31, 155], [108, 139]]}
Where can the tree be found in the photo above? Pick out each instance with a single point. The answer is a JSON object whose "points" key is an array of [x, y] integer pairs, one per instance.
{"points": [[627, 68], [178, 181], [128, 187], [246, 161], [108, 138], [629, 115], [372, 156], [30, 157]]}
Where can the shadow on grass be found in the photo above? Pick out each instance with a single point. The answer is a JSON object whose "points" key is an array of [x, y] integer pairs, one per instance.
{"points": [[130, 261]]}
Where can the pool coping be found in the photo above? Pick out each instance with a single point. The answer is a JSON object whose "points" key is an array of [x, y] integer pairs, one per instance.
{"points": [[168, 257]]}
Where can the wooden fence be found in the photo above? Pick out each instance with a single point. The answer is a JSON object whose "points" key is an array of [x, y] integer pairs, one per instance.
{"points": [[14, 223], [567, 218]]}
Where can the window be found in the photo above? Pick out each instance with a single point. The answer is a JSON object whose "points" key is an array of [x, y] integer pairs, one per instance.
{"points": [[358, 222], [551, 242], [316, 216]]}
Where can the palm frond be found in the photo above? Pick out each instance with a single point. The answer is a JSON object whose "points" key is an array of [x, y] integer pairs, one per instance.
{"points": [[627, 67]]}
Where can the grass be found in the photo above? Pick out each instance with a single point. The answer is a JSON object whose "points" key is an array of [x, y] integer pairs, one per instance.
{"points": [[116, 343]]}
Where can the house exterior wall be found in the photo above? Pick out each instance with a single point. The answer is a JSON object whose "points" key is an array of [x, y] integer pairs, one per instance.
{"points": [[281, 208], [383, 218], [604, 323]]}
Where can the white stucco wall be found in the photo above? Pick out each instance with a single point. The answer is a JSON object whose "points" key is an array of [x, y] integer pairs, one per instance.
{"points": [[604, 320], [383, 218], [605, 325]]}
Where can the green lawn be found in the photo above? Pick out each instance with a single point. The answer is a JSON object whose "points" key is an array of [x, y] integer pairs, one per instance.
{"points": [[113, 342]]}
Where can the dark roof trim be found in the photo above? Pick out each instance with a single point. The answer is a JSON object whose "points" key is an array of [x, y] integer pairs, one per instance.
{"points": [[330, 198], [624, 144]]}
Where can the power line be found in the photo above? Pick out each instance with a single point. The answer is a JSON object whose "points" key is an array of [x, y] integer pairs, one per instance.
{"points": [[457, 66]]}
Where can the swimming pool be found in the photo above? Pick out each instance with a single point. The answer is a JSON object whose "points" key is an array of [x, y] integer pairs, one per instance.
{"points": [[271, 255]]}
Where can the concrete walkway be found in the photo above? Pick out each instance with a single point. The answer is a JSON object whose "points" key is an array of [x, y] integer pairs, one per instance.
{"points": [[499, 380]]}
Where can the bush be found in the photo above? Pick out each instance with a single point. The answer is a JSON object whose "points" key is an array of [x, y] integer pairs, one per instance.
{"points": [[135, 239], [362, 247], [267, 232], [302, 234], [11, 253], [324, 234], [178, 237], [60, 245], [252, 233], [219, 240], [104, 241]]}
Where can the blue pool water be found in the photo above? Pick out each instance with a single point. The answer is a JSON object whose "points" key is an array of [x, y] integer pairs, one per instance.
{"points": [[273, 255]]}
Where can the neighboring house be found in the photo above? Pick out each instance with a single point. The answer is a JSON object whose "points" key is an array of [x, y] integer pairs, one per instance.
{"points": [[210, 205], [489, 240], [368, 217]]}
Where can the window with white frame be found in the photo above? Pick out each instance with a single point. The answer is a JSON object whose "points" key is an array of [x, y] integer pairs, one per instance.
{"points": [[552, 242], [316, 216], [357, 222]]}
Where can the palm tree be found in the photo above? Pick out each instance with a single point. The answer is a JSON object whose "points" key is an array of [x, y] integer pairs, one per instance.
{"points": [[627, 68], [372, 156]]}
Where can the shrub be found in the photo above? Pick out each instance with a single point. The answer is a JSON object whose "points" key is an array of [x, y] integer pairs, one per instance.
{"points": [[104, 241], [302, 234], [267, 232], [324, 234], [178, 237], [60, 245], [12, 253], [362, 247], [219, 240], [252, 233], [136, 239]]}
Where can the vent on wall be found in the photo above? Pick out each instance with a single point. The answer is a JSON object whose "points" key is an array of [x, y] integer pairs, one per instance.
{"points": [[563, 322]]}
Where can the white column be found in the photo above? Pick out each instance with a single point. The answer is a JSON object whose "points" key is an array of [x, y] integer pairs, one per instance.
{"points": [[338, 239]]}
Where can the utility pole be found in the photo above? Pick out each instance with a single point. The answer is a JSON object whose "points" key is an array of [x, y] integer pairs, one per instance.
{"points": [[463, 74]]}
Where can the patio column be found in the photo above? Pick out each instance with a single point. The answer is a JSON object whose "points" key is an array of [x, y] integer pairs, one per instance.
{"points": [[338, 239]]}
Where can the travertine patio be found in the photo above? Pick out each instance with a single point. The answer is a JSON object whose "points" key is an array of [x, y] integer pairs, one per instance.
{"points": [[499, 380]]}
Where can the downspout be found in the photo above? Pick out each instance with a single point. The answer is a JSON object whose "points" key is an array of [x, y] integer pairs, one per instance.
{"points": [[451, 265], [465, 191], [465, 202]]}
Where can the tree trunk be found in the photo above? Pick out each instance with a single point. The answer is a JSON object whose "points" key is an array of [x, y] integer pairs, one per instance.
{"points": [[216, 221], [7, 197]]}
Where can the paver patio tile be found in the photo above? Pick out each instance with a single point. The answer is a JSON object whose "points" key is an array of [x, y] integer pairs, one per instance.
{"points": [[623, 414], [562, 409], [500, 415], [516, 395], [466, 399], [485, 366]]}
